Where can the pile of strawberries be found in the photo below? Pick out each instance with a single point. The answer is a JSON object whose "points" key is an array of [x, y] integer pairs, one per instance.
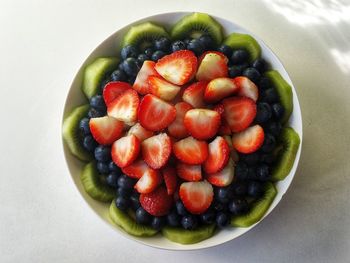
{"points": [[174, 125]]}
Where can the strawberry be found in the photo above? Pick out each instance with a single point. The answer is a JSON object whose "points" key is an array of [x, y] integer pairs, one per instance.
{"points": [[202, 124], [162, 88], [196, 196], [125, 150], [249, 140], [219, 88], [212, 66], [222, 55], [106, 130], [170, 179], [177, 128], [233, 153], [247, 88], [178, 67], [194, 94], [191, 151], [224, 177], [141, 83], [137, 169], [219, 154], [156, 150], [140, 132], [149, 181], [124, 107], [224, 128], [189, 172], [155, 114], [239, 112], [113, 89], [157, 203]]}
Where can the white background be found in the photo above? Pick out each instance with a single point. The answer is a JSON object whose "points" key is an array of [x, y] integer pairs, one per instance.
{"points": [[42, 216]]}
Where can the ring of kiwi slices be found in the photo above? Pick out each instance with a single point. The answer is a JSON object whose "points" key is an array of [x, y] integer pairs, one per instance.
{"points": [[246, 199]]}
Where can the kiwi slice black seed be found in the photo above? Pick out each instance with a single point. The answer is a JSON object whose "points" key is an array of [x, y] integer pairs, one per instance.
{"points": [[244, 41], [182, 236]]}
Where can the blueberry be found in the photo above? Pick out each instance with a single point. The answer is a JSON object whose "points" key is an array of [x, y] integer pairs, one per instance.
{"points": [[187, 41], [129, 51], [158, 55], [98, 103], [274, 128], [222, 219], [125, 182], [269, 95], [130, 67], [102, 167], [123, 192], [180, 208], [141, 58], [255, 189], [238, 206], [234, 71], [89, 143], [242, 67], [218, 206], [263, 112], [142, 216], [208, 217], [251, 172], [94, 113], [113, 167], [239, 188], [189, 222], [149, 52], [260, 64], [250, 159], [224, 194], [173, 219], [239, 56], [195, 46], [206, 41], [178, 45], [241, 171], [264, 83], [84, 126], [267, 158], [252, 74], [131, 80], [118, 75], [112, 179], [277, 110], [269, 143], [135, 200], [162, 44], [158, 222], [122, 203], [263, 172], [103, 153], [226, 50]]}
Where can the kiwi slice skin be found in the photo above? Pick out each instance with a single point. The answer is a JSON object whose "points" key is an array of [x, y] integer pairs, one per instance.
{"points": [[95, 72], [128, 224], [196, 24], [284, 91], [182, 236], [244, 41], [70, 132], [258, 208], [92, 184]]}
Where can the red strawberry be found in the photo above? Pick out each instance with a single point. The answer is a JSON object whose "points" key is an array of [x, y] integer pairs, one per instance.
{"points": [[113, 89], [140, 132], [177, 128], [106, 130], [156, 150], [219, 88], [191, 151], [219, 154], [212, 66], [224, 128], [233, 153], [162, 88], [249, 140], [155, 114], [170, 179], [222, 55], [141, 83], [178, 67], [137, 169], [247, 88], [239, 112], [194, 94], [196, 196], [148, 182], [224, 177], [189, 172], [125, 150], [202, 124], [157, 203], [124, 107]]}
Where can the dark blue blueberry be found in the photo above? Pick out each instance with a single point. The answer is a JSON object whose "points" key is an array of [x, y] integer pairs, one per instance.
{"points": [[242, 67], [103, 153], [84, 126], [263, 112], [222, 219], [208, 217], [269, 95], [123, 192], [130, 67], [94, 113], [264, 83], [241, 171], [260, 64], [173, 219], [131, 80], [118, 75], [224, 194], [239, 56], [129, 51], [135, 200], [162, 44], [218, 206], [189, 222], [141, 58], [251, 172], [250, 159], [158, 55], [178, 45], [180, 208], [234, 71], [112, 179], [226, 50], [239, 188], [277, 110], [126, 182], [267, 158], [255, 189], [238, 206], [98, 103], [195, 46], [187, 41], [274, 128], [207, 42], [142, 216], [89, 143], [113, 167], [122, 203], [269, 143], [102, 167], [263, 172], [252, 74], [149, 52], [158, 222]]}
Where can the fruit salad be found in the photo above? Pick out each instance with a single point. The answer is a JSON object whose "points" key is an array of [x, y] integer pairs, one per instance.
{"points": [[185, 133]]}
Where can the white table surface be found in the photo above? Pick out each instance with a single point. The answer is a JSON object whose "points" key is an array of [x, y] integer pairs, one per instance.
{"points": [[42, 216]]}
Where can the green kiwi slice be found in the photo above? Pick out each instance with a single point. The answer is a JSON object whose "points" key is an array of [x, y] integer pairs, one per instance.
{"points": [[95, 72], [257, 210], [182, 236], [244, 41], [196, 24], [70, 132], [93, 185]]}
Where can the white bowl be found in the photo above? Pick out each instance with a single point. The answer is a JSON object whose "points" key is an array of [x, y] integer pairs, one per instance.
{"points": [[110, 47]]}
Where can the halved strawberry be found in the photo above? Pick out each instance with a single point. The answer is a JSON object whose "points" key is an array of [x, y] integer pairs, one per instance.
{"points": [[106, 130], [239, 112], [155, 114], [156, 150], [178, 67], [219, 88], [196, 196], [177, 128], [224, 177], [247, 88], [202, 124], [125, 150], [212, 66], [189, 172], [141, 83], [140, 132], [191, 151], [157, 203], [224, 128], [170, 179], [233, 153], [137, 169], [113, 89], [124, 107], [162, 88], [149, 181], [249, 140], [194, 94], [219, 154]]}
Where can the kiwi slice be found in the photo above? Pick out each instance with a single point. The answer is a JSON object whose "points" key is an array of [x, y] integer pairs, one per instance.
{"points": [[126, 222], [244, 41], [93, 185], [284, 91], [258, 209], [70, 132], [289, 141], [142, 35], [182, 236], [196, 24], [95, 72]]}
